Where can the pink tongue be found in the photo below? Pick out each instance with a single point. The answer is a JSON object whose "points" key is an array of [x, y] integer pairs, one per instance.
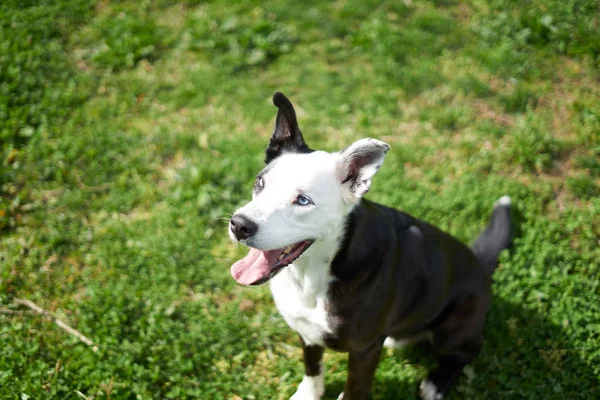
{"points": [[255, 266]]}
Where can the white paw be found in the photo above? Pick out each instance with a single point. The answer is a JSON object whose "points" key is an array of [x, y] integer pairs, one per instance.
{"points": [[503, 201], [311, 388], [394, 344], [429, 391], [341, 396]]}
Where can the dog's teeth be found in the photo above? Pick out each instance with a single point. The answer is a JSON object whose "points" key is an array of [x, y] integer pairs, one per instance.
{"points": [[284, 253]]}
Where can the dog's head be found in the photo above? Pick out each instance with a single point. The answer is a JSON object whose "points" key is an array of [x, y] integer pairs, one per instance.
{"points": [[300, 197]]}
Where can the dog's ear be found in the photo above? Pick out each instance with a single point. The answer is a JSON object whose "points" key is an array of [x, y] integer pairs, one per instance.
{"points": [[359, 163], [286, 135]]}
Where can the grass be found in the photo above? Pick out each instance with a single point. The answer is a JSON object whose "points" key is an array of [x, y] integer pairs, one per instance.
{"points": [[130, 130]]}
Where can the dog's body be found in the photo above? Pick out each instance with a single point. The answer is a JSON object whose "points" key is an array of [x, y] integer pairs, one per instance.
{"points": [[347, 273]]}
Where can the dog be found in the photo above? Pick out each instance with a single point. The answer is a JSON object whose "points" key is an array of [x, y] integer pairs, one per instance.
{"points": [[352, 275]]}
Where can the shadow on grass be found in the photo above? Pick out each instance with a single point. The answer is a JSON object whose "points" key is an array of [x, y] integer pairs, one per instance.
{"points": [[524, 356]]}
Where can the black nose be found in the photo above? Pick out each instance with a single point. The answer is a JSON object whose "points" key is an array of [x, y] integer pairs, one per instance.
{"points": [[242, 227]]}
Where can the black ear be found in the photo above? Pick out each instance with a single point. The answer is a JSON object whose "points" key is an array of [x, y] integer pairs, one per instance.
{"points": [[286, 136]]}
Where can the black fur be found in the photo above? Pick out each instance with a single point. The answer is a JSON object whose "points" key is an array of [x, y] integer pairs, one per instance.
{"points": [[400, 277], [287, 136], [495, 238], [312, 358]]}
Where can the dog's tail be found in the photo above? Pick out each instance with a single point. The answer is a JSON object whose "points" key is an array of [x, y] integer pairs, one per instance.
{"points": [[496, 237]]}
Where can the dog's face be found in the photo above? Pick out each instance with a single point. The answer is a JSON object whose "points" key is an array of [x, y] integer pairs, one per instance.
{"points": [[295, 198], [300, 197]]}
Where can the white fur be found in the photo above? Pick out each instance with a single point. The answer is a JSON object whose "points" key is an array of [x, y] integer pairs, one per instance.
{"points": [[504, 201], [369, 149], [429, 391], [300, 289], [392, 343], [318, 175], [280, 222], [311, 388]]}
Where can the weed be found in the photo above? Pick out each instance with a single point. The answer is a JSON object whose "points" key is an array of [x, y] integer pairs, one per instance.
{"points": [[590, 162], [584, 187], [470, 84], [239, 42], [532, 145], [125, 40], [519, 98]]}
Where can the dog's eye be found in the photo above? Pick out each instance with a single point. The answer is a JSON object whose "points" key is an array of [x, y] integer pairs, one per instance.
{"points": [[259, 184], [303, 200]]}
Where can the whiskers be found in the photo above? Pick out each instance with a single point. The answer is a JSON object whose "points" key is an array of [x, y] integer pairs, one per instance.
{"points": [[225, 219], [224, 222]]}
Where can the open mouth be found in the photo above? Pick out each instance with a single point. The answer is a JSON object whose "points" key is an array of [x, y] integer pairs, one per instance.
{"points": [[261, 265]]}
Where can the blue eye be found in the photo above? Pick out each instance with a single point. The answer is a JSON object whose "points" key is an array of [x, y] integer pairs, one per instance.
{"points": [[303, 200]]}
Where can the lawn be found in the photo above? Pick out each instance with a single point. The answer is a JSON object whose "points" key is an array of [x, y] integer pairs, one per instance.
{"points": [[131, 130]]}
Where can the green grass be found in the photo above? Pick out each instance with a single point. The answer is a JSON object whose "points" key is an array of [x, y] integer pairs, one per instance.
{"points": [[129, 131]]}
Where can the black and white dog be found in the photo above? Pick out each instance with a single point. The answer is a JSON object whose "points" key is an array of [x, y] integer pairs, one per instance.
{"points": [[353, 275]]}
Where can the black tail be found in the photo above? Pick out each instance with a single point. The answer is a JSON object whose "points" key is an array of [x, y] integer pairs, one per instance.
{"points": [[496, 236]]}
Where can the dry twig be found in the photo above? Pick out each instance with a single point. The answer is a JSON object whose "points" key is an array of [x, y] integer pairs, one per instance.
{"points": [[30, 304], [10, 312], [96, 189]]}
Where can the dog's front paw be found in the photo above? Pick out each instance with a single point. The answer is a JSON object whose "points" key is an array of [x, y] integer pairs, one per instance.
{"points": [[429, 391], [391, 343], [311, 388], [341, 396]]}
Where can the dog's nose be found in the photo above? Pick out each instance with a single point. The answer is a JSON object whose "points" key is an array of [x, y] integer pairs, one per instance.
{"points": [[242, 227]]}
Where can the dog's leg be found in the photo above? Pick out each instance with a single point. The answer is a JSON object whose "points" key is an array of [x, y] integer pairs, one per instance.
{"points": [[312, 386], [455, 343], [361, 367], [440, 380]]}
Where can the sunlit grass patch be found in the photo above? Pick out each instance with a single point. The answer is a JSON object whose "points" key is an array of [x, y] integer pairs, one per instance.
{"points": [[136, 129], [532, 145]]}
